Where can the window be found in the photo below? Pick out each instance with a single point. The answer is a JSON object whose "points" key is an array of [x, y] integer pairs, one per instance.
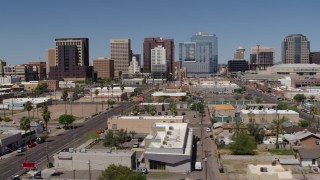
{"points": [[157, 165], [313, 161]]}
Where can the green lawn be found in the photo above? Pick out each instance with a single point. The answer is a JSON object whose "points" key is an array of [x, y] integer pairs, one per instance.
{"points": [[281, 152]]}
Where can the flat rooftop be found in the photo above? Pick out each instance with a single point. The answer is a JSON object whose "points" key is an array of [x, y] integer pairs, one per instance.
{"points": [[172, 137], [222, 107], [268, 111], [160, 93], [147, 117]]}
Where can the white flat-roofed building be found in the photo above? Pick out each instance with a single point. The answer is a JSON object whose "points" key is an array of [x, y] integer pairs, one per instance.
{"points": [[214, 86], [18, 103], [140, 124], [169, 147], [268, 172], [268, 115], [99, 159], [176, 96]]}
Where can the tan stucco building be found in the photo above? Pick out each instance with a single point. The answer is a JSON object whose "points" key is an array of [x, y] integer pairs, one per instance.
{"points": [[268, 115], [140, 124], [222, 110]]}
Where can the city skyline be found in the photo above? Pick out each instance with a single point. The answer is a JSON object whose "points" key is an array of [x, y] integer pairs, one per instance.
{"points": [[29, 28]]}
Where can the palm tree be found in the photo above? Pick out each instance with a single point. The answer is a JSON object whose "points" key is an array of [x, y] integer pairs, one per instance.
{"points": [[251, 116], [277, 128], [312, 97], [132, 133], [313, 111], [254, 130], [65, 98], [108, 88], [237, 130], [46, 116], [96, 92], [111, 85], [28, 106], [25, 125], [101, 87]]}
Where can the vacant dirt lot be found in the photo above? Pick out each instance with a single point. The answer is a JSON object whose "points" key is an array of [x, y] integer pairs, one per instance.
{"points": [[78, 110]]}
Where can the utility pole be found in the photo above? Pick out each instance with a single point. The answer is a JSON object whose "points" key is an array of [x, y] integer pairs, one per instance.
{"points": [[89, 171]]}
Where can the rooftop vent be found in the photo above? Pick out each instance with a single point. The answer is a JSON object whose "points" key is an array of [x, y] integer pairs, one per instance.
{"points": [[263, 169], [169, 133], [171, 128]]}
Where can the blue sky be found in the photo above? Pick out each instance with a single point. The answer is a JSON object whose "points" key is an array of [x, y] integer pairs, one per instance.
{"points": [[27, 28]]}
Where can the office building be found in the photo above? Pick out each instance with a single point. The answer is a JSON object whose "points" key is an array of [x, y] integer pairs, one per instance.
{"points": [[295, 49], [71, 60], [2, 65], [239, 54], [51, 59], [169, 147], [37, 71], [103, 68], [235, 66], [120, 51], [134, 66], [18, 71], [314, 57], [200, 56], [158, 62], [151, 43], [261, 57]]}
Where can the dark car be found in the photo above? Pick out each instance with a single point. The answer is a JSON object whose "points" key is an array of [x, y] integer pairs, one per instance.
{"points": [[183, 113], [128, 138], [140, 139], [159, 113], [194, 116], [165, 113]]}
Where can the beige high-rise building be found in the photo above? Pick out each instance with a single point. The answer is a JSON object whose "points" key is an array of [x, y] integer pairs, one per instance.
{"points": [[51, 59], [104, 67], [239, 54], [120, 51], [295, 49]]}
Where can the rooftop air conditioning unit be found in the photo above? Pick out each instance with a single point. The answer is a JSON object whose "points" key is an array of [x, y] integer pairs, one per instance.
{"points": [[263, 169]]}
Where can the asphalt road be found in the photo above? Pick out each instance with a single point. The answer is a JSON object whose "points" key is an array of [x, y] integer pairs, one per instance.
{"points": [[13, 165]]}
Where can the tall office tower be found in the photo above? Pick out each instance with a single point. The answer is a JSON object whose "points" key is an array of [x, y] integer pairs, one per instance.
{"points": [[2, 65], [51, 59], [261, 57], [103, 67], [200, 56], [239, 54], [134, 66], [158, 62], [314, 57], [295, 49], [72, 60], [151, 43], [121, 53]]}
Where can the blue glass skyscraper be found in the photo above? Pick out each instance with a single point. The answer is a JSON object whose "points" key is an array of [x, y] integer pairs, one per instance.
{"points": [[200, 56]]}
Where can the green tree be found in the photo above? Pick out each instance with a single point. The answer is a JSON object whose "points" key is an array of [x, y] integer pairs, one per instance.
{"points": [[304, 123], [198, 107], [282, 106], [236, 97], [110, 102], [238, 130], [28, 106], [254, 131], [96, 92], [119, 172], [66, 119], [135, 109], [173, 108], [277, 128], [243, 144], [313, 111], [299, 97], [248, 97], [251, 116], [111, 85], [312, 98], [110, 140], [41, 88], [25, 125], [152, 110], [46, 116], [101, 87], [132, 133], [64, 97], [258, 100]]}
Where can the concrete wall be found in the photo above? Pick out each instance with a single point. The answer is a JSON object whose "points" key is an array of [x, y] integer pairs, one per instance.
{"points": [[98, 161]]}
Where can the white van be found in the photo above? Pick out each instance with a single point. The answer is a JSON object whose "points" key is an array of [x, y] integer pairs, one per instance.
{"points": [[198, 166]]}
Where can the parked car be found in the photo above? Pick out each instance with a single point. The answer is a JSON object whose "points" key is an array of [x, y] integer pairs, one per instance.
{"points": [[208, 129], [41, 140], [140, 139], [159, 113], [194, 116], [58, 127], [135, 145], [21, 150], [31, 145], [128, 138], [183, 113], [142, 170], [165, 113]]}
